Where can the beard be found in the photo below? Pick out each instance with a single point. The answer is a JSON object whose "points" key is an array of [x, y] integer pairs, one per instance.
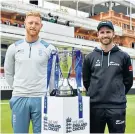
{"points": [[32, 32], [106, 41]]}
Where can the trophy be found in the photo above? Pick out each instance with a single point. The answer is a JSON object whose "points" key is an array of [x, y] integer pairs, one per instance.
{"points": [[65, 90]]}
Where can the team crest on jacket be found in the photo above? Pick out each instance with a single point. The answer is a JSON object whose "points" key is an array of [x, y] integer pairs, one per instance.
{"points": [[21, 51], [97, 63]]}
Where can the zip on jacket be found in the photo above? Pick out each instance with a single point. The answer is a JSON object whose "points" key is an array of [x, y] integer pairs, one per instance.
{"points": [[30, 51]]}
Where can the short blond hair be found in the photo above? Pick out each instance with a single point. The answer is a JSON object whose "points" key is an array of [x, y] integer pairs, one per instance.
{"points": [[33, 13]]}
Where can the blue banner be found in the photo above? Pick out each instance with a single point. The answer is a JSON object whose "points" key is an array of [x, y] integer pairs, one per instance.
{"points": [[78, 71], [45, 104], [57, 74], [49, 68], [80, 105], [78, 68], [57, 71]]}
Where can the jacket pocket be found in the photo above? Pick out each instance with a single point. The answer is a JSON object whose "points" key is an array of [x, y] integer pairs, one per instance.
{"points": [[12, 101], [120, 88], [93, 90]]}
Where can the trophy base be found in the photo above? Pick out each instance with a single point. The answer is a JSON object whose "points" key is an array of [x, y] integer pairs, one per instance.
{"points": [[66, 93], [65, 96]]}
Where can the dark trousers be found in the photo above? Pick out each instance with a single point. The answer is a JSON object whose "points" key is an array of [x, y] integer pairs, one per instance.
{"points": [[114, 118]]}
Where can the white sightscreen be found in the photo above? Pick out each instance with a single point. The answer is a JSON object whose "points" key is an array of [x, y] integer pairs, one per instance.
{"points": [[133, 64]]}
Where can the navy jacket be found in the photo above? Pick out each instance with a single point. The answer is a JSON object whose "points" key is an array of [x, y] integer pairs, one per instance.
{"points": [[107, 77]]}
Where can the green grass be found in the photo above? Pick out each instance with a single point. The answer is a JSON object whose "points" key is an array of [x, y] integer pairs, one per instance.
{"points": [[130, 119], [6, 126]]}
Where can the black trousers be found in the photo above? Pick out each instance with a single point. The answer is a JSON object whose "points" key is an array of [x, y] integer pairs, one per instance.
{"points": [[114, 118]]}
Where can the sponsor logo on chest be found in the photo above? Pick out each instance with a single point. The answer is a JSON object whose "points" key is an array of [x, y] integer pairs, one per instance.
{"points": [[111, 63]]}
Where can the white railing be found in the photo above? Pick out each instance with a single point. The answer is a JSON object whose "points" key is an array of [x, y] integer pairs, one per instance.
{"points": [[6, 29], [4, 85], [11, 32]]}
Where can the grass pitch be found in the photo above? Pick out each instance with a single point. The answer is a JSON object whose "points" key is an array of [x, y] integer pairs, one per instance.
{"points": [[6, 126]]}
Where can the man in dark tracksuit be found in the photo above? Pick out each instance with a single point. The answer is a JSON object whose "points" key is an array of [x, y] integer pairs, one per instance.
{"points": [[107, 77]]}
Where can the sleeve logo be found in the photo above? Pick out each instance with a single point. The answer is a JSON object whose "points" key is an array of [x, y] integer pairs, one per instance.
{"points": [[130, 68]]}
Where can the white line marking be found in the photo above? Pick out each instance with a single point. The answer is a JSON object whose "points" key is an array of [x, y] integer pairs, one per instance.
{"points": [[4, 103], [131, 97]]}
